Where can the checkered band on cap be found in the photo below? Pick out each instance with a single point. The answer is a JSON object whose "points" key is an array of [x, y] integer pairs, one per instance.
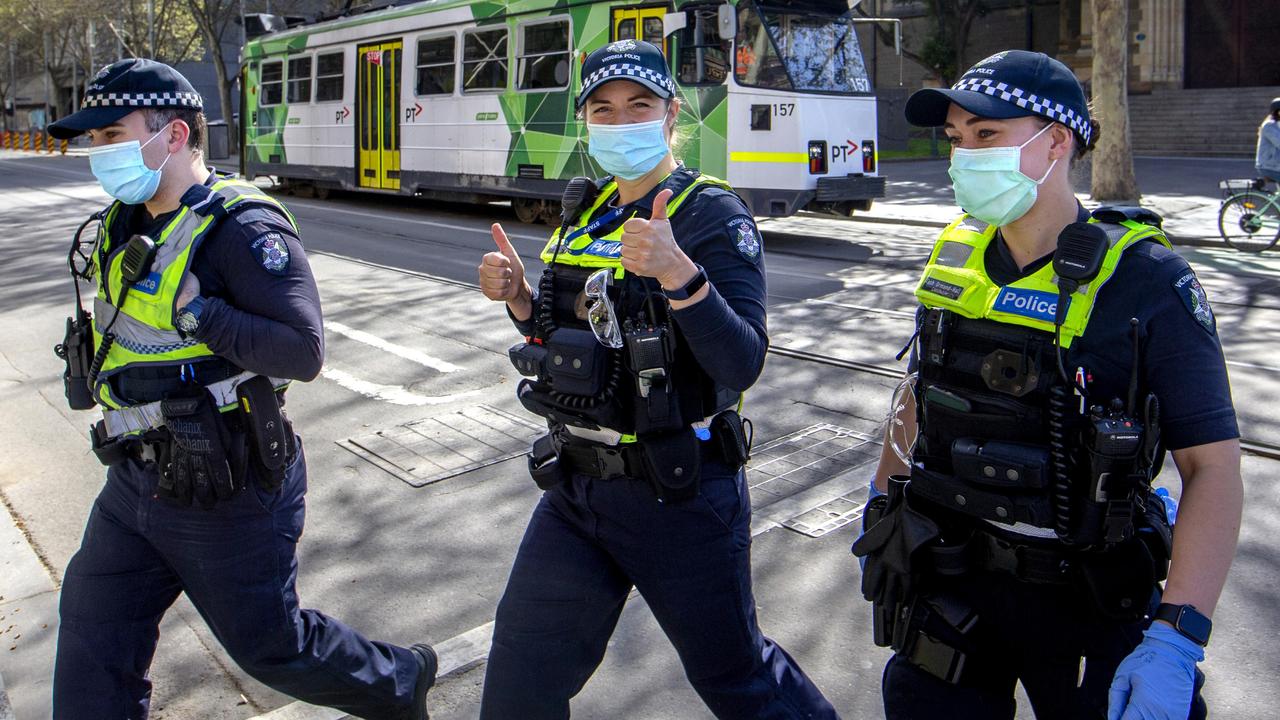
{"points": [[1023, 99], [164, 99], [629, 70]]}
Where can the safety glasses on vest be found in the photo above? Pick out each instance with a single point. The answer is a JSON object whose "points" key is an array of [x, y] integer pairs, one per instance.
{"points": [[600, 314]]}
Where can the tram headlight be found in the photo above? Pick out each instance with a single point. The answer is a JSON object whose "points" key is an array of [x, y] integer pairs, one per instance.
{"points": [[817, 157], [868, 156]]}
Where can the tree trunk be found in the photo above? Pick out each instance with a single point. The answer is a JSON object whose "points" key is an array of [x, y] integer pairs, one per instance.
{"points": [[1113, 176]]}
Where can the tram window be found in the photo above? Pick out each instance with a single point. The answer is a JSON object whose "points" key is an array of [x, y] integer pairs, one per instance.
{"points": [[484, 60], [329, 77], [704, 57], [544, 55], [272, 82], [299, 84], [626, 29], [756, 62], [653, 30], [435, 66]]}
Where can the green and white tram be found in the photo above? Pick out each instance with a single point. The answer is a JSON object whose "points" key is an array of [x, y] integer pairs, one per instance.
{"points": [[474, 100]]}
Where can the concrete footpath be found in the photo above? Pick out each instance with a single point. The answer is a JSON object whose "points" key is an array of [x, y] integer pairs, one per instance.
{"points": [[1184, 191]]}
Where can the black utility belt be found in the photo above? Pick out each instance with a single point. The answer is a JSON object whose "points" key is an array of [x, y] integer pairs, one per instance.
{"points": [[207, 455], [670, 462]]}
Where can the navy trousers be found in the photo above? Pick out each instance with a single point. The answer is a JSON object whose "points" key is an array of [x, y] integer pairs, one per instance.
{"points": [[238, 565], [1048, 637], [588, 543]]}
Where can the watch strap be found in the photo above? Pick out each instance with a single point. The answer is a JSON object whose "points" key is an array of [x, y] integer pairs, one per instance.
{"points": [[688, 289], [1188, 621]]}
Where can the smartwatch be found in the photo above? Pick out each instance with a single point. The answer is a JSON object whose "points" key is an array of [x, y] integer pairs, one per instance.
{"points": [[188, 319], [694, 285], [1186, 620]]}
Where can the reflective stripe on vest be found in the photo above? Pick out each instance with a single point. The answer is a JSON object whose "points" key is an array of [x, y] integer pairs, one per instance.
{"points": [[956, 279], [587, 250], [144, 330]]}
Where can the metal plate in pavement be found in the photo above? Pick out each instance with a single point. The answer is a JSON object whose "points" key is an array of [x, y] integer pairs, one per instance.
{"points": [[438, 448], [805, 458], [828, 516]]}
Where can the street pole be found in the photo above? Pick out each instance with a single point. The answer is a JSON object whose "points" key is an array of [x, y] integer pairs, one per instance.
{"points": [[151, 28], [243, 37], [48, 107], [89, 40]]}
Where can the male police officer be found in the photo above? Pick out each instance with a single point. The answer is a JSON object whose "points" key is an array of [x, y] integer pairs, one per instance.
{"points": [[190, 321]]}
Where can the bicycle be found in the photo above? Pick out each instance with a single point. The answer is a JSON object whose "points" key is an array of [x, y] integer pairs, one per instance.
{"points": [[1249, 219]]}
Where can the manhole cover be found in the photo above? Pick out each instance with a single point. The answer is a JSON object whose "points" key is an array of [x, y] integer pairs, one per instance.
{"points": [[440, 447], [805, 458]]}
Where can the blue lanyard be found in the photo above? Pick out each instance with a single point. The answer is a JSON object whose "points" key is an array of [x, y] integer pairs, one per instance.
{"points": [[594, 225]]}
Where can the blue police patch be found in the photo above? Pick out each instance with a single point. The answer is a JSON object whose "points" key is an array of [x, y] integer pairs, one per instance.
{"points": [[273, 252], [1195, 299], [1034, 304], [742, 230], [149, 284]]}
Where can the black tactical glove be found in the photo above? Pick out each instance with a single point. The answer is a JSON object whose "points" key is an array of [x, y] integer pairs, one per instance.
{"points": [[888, 546], [195, 464]]}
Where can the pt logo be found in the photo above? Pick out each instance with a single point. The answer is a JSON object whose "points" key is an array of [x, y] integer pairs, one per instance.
{"points": [[841, 153], [340, 116], [411, 113]]}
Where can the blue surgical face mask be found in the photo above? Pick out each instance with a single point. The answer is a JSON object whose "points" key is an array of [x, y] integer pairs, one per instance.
{"points": [[989, 183], [123, 173], [628, 151]]}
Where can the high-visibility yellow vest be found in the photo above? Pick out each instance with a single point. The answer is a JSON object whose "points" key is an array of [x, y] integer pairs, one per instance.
{"points": [[599, 251], [956, 279], [145, 334]]}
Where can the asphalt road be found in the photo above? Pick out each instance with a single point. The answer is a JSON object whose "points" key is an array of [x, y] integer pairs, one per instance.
{"points": [[410, 340]]}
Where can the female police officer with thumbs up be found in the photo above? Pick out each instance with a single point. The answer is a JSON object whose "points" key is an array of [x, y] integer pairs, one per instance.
{"points": [[641, 336], [1058, 355]]}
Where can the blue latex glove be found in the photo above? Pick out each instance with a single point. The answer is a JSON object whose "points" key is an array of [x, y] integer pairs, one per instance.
{"points": [[1156, 681], [872, 493]]}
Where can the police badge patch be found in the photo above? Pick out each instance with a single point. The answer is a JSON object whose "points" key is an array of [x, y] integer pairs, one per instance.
{"points": [[1195, 299], [743, 233], [273, 252]]}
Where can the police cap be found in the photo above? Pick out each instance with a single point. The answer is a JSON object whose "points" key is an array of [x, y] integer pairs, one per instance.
{"points": [[635, 60], [1009, 84], [122, 87]]}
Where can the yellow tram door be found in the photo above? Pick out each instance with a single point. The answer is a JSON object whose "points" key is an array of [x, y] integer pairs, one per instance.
{"points": [[378, 114], [643, 23]]}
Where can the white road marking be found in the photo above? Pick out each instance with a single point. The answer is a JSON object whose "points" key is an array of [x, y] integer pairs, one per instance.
{"points": [[1251, 365], [398, 350], [393, 394], [414, 221]]}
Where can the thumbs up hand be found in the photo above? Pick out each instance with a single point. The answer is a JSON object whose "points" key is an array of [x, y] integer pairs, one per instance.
{"points": [[502, 276], [649, 249]]}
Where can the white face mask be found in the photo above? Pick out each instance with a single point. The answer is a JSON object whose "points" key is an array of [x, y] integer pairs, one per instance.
{"points": [[989, 183]]}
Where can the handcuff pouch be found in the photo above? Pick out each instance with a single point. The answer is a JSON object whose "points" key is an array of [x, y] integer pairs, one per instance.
{"points": [[673, 463]]}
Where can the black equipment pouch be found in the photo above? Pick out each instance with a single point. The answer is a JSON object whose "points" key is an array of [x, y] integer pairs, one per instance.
{"points": [[934, 635], [529, 359], [1120, 579], [1002, 505], [575, 362], [195, 462], [270, 435], [1154, 532], [892, 547], [730, 433], [544, 465], [108, 450], [673, 463], [1001, 465], [76, 350]]}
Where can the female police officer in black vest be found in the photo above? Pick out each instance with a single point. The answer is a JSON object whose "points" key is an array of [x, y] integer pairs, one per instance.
{"points": [[649, 322], [1058, 356]]}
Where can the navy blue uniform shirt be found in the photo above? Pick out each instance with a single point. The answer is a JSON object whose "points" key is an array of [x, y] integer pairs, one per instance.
{"points": [[1181, 358], [262, 310], [726, 329]]}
